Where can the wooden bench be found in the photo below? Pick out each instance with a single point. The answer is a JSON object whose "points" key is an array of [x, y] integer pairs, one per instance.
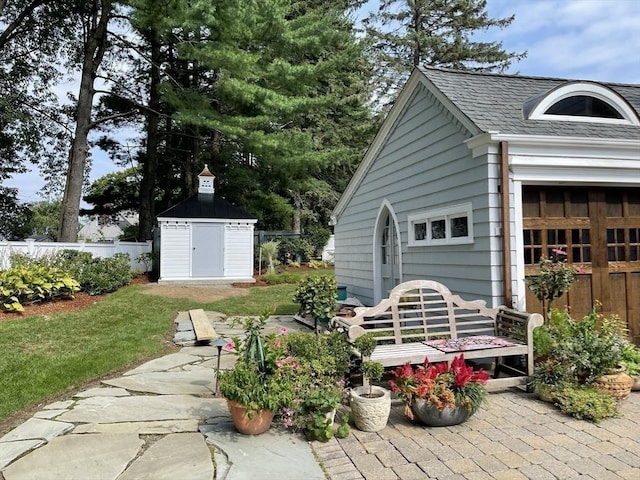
{"points": [[423, 310]]}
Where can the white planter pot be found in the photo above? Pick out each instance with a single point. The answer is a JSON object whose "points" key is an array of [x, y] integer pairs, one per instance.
{"points": [[370, 414]]}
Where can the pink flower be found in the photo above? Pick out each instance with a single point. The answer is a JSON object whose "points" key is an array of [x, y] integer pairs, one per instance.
{"points": [[283, 331], [558, 251], [230, 346]]}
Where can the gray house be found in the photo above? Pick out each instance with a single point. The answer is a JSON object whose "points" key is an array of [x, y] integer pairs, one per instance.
{"points": [[473, 176], [205, 238]]}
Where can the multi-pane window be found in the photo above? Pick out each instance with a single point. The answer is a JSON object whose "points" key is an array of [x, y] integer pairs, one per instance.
{"points": [[450, 225]]}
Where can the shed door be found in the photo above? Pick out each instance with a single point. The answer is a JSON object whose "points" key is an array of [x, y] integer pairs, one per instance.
{"points": [[600, 229], [207, 258]]}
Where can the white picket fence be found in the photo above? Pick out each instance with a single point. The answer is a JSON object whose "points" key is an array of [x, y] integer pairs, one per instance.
{"points": [[102, 250]]}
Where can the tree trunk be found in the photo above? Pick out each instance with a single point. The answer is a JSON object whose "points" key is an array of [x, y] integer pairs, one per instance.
{"points": [[93, 54], [150, 165], [297, 212]]}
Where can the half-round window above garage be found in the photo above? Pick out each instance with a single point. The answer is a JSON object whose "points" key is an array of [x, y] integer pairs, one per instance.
{"points": [[581, 102]]}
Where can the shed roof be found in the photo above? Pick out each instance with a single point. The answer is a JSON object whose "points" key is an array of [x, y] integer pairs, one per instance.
{"points": [[203, 205], [494, 102]]}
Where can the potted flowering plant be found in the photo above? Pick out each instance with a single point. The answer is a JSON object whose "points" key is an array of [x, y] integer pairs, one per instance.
{"points": [[439, 394], [259, 384], [321, 364]]}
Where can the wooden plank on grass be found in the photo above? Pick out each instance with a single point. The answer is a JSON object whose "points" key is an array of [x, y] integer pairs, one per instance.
{"points": [[202, 325]]}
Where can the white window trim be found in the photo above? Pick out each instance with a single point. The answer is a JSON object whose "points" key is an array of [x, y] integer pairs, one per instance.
{"points": [[447, 214], [590, 90]]}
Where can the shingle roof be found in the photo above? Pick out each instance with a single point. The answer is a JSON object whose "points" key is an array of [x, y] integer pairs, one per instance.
{"points": [[204, 205], [493, 102]]}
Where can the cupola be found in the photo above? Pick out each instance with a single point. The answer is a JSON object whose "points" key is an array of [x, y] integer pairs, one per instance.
{"points": [[206, 181]]}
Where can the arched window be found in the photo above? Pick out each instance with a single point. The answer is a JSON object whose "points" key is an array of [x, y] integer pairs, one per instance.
{"points": [[581, 102], [583, 106]]}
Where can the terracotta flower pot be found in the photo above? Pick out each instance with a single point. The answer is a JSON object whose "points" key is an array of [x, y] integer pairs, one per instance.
{"points": [[259, 422], [432, 417]]}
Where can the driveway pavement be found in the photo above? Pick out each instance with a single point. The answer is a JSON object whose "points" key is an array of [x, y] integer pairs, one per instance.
{"points": [[162, 420]]}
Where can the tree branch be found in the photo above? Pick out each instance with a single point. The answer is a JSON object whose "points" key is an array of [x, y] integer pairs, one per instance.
{"points": [[8, 32], [112, 117]]}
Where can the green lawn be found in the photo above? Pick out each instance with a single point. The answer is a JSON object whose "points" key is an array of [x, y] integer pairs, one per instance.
{"points": [[45, 356]]}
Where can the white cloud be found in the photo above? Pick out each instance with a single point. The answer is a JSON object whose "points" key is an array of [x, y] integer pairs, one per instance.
{"points": [[585, 39]]}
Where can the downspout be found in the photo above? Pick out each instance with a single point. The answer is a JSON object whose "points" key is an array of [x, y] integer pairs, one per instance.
{"points": [[506, 224]]}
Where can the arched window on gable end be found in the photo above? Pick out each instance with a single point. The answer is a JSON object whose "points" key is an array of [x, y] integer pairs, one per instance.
{"points": [[581, 102]]}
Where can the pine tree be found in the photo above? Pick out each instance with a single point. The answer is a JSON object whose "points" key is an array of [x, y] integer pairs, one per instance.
{"points": [[404, 34]]}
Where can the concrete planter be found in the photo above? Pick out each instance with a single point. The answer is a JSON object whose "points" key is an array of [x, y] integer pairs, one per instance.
{"points": [[370, 414]]}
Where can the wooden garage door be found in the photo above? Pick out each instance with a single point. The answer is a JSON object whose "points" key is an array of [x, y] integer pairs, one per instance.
{"points": [[600, 230]]}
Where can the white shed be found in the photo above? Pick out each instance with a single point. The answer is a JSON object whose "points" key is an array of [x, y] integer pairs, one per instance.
{"points": [[206, 239]]}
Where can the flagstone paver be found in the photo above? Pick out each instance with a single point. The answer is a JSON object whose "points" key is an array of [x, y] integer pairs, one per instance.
{"points": [[144, 408], [37, 428], [103, 392], [164, 363], [49, 414], [159, 427], [99, 457], [283, 455], [59, 405], [9, 451], [176, 456], [188, 382]]}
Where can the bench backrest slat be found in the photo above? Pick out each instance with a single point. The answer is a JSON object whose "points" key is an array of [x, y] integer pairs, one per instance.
{"points": [[423, 309]]}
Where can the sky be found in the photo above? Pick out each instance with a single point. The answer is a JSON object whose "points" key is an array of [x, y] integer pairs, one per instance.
{"points": [[574, 39]]}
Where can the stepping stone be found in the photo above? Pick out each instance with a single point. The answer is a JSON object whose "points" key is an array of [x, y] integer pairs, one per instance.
{"points": [[59, 405], [274, 454], [142, 428], [184, 338], [49, 414], [141, 408], [9, 451], [184, 325], [194, 382], [164, 363], [103, 392], [101, 457], [37, 428], [176, 456], [203, 351]]}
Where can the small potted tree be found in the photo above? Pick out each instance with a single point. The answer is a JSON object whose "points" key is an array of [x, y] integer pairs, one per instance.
{"points": [[317, 298], [370, 404]]}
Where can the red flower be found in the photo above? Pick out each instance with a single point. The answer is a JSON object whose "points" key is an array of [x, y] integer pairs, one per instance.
{"points": [[440, 384]]}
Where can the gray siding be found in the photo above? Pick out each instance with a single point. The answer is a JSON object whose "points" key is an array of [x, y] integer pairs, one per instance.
{"points": [[422, 165]]}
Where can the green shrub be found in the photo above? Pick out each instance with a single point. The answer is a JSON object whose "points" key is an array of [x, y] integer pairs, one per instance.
{"points": [[291, 249], [279, 278], [586, 403], [104, 275], [317, 236], [631, 359]]}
